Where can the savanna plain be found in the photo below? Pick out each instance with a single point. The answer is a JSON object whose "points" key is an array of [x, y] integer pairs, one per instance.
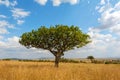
{"points": [[16, 70]]}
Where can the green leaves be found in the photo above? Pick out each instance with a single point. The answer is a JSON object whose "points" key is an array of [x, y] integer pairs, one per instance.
{"points": [[56, 39]]}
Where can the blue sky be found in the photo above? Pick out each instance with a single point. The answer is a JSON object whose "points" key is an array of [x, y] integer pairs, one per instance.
{"points": [[98, 18]]}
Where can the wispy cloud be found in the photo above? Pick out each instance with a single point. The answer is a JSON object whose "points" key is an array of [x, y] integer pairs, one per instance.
{"points": [[3, 16], [110, 17], [41, 2], [19, 22], [14, 3], [19, 13], [102, 2], [8, 3], [4, 25], [58, 2]]}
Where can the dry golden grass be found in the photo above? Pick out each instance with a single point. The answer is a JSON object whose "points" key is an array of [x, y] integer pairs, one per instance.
{"points": [[13, 70]]}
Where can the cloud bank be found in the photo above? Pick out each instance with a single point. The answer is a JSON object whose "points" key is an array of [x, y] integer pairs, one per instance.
{"points": [[106, 37]]}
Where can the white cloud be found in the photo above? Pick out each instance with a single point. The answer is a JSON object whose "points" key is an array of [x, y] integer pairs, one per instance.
{"points": [[4, 25], [58, 2], [13, 42], [14, 3], [102, 2], [110, 17], [10, 42], [3, 31], [5, 2], [99, 36], [19, 13], [8, 3], [115, 29], [117, 6], [10, 48], [1, 37], [41, 2], [19, 22], [103, 44], [3, 16]]}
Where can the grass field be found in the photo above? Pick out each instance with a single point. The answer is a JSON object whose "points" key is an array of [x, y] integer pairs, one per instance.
{"points": [[15, 70]]}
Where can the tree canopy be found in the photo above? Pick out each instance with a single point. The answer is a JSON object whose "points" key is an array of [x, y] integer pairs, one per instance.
{"points": [[57, 39], [90, 57]]}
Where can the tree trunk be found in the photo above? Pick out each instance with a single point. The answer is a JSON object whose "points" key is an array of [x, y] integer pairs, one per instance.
{"points": [[57, 58]]}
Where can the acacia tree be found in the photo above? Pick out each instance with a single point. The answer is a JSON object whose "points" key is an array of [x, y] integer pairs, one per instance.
{"points": [[57, 39], [91, 58]]}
